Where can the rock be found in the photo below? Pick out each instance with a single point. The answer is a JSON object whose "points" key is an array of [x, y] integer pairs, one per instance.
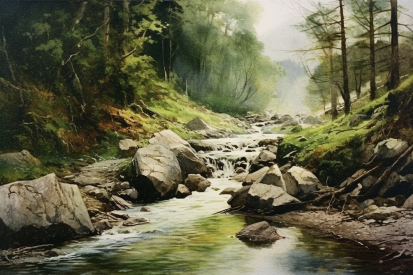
{"points": [[302, 139], [274, 177], [286, 167], [229, 191], [240, 177], [120, 214], [128, 194], [408, 203], [41, 211], [300, 182], [265, 158], [182, 192], [96, 192], [256, 176], [239, 199], [397, 201], [168, 139], [22, 158], [266, 142], [357, 119], [272, 148], [158, 172], [313, 120], [135, 221], [390, 148], [102, 225], [382, 213], [188, 161], [241, 164], [270, 198], [145, 209], [260, 232], [406, 165], [127, 147], [368, 181], [196, 182], [198, 124], [291, 122], [285, 118], [252, 145], [119, 203], [240, 170], [379, 113], [203, 145], [54, 252]]}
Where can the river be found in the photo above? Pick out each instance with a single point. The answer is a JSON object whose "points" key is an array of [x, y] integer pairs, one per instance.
{"points": [[185, 237]]}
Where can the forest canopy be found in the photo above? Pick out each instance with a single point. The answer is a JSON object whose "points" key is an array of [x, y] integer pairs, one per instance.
{"points": [[65, 63]]}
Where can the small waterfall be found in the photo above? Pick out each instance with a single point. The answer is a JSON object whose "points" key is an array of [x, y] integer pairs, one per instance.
{"points": [[221, 167]]}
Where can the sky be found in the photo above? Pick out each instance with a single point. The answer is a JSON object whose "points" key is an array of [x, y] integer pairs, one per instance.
{"points": [[276, 28]]}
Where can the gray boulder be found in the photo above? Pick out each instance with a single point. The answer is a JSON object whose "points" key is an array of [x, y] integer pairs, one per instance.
{"points": [[198, 124], [98, 193], [256, 176], [196, 182], [41, 211], [203, 145], [313, 120], [127, 147], [129, 194], [188, 161], [270, 198], [229, 191], [182, 192], [357, 119], [390, 148], [261, 232], [268, 141], [239, 199], [274, 177], [158, 172], [168, 139], [300, 182], [19, 159], [119, 203], [265, 158]]}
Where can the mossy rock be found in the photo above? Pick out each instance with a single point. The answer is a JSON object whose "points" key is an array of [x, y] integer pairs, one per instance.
{"points": [[296, 129], [283, 150]]}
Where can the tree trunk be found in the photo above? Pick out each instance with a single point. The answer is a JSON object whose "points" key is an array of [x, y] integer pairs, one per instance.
{"points": [[373, 86], [333, 91], [125, 6], [6, 54], [106, 24], [394, 74], [79, 14], [346, 90]]}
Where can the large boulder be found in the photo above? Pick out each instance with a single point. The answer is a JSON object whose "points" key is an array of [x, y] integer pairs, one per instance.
{"points": [[274, 177], [239, 199], [203, 145], [157, 172], [196, 182], [265, 158], [198, 124], [41, 211], [270, 198], [390, 148], [300, 182], [256, 176], [188, 161], [261, 232], [168, 139], [22, 158]]}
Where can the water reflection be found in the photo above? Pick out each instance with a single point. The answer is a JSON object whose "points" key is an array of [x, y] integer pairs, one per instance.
{"points": [[185, 238]]}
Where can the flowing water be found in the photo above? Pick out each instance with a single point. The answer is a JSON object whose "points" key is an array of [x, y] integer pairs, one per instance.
{"points": [[185, 237]]}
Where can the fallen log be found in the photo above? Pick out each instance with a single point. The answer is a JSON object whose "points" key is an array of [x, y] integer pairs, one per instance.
{"points": [[347, 188], [375, 188]]}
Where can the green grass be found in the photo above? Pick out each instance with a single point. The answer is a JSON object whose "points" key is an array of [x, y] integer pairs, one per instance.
{"points": [[333, 151]]}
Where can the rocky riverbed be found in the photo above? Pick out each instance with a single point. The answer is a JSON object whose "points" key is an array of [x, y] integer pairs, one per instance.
{"points": [[371, 208]]}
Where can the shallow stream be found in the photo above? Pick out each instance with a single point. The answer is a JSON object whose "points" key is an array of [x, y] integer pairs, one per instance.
{"points": [[185, 237]]}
